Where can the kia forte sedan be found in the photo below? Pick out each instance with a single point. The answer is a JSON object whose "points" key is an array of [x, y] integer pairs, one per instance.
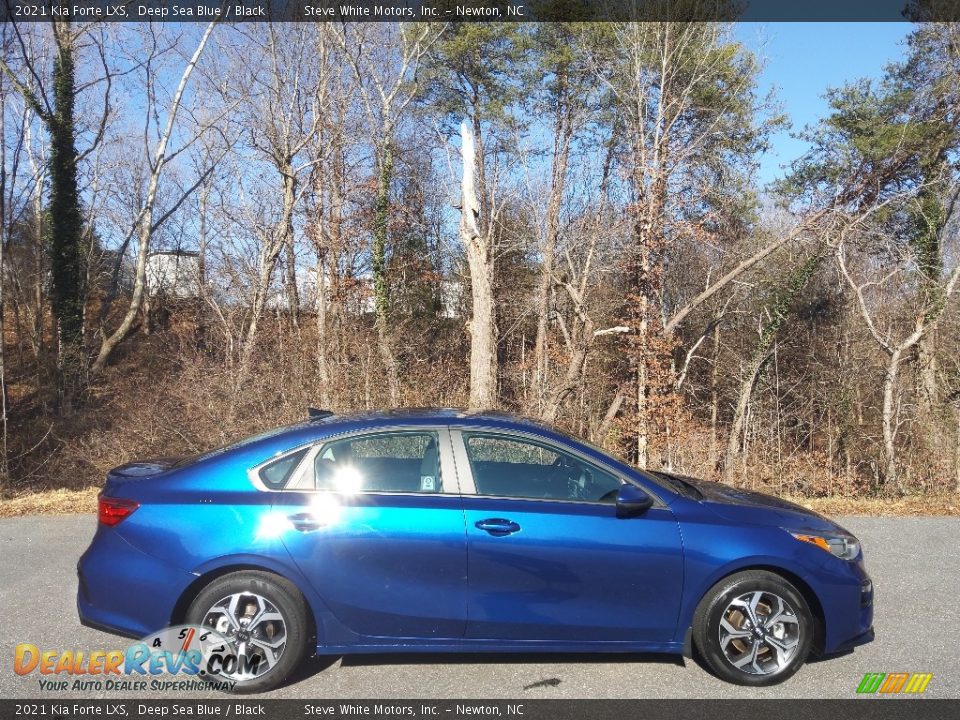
{"points": [[444, 531]]}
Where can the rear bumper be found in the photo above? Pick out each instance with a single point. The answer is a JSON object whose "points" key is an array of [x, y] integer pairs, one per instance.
{"points": [[125, 591], [85, 620]]}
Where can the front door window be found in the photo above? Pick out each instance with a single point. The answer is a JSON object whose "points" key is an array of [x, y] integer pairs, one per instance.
{"points": [[519, 468]]}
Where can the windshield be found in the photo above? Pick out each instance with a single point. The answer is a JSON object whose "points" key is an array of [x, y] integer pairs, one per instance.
{"points": [[677, 483]]}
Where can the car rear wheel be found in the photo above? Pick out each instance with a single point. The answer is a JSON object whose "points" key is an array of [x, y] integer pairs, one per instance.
{"points": [[264, 619], [753, 628]]}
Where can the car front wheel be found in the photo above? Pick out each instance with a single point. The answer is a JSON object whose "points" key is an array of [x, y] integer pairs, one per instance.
{"points": [[753, 628], [264, 619]]}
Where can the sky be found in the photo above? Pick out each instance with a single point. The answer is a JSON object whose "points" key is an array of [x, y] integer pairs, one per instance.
{"points": [[802, 60]]}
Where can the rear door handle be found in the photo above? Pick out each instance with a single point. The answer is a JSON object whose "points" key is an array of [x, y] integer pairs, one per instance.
{"points": [[304, 522], [498, 527]]}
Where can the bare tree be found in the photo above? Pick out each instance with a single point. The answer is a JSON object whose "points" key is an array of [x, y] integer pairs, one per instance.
{"points": [[579, 277], [568, 97], [68, 255], [897, 349], [387, 86], [776, 318], [4, 237], [145, 224], [480, 257]]}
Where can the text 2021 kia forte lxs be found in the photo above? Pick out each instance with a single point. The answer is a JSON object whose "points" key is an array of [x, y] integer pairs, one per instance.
{"points": [[446, 531]]}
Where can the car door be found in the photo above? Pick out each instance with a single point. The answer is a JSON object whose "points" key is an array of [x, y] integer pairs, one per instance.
{"points": [[376, 525], [548, 557]]}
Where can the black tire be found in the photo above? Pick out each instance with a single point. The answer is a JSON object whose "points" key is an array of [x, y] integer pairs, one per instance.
{"points": [[285, 597], [766, 666]]}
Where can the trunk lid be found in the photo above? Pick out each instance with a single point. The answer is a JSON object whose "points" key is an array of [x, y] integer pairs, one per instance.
{"points": [[142, 469]]}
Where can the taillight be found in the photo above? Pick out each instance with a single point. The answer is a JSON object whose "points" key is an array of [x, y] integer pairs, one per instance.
{"points": [[111, 511]]}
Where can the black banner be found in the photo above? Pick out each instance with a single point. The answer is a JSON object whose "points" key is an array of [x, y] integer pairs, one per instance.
{"points": [[855, 709], [478, 10]]}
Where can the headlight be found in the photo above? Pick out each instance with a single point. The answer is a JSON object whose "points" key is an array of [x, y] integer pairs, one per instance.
{"points": [[845, 547]]}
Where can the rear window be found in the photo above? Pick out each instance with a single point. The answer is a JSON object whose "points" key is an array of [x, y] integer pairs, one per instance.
{"points": [[276, 474], [209, 454]]}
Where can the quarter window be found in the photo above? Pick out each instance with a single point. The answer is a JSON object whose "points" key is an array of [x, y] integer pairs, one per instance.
{"points": [[401, 462], [275, 475], [512, 467]]}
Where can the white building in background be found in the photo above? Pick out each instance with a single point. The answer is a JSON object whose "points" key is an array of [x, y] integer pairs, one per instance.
{"points": [[174, 273], [451, 296]]}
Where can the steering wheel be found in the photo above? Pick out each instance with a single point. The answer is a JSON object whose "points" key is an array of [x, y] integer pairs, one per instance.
{"points": [[574, 473]]}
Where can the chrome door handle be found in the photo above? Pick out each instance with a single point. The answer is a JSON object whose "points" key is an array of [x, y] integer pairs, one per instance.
{"points": [[498, 527]]}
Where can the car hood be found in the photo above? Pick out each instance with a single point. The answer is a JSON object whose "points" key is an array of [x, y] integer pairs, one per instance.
{"points": [[753, 508]]}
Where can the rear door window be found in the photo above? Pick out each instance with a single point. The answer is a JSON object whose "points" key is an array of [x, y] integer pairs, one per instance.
{"points": [[393, 462]]}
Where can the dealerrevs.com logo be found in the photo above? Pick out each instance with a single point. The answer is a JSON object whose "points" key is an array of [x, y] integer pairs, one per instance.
{"points": [[894, 683], [183, 657]]}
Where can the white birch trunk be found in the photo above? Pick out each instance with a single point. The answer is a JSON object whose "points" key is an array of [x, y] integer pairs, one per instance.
{"points": [[483, 340]]}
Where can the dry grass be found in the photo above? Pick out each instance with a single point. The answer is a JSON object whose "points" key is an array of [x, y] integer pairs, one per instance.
{"points": [[72, 502], [911, 505], [51, 502]]}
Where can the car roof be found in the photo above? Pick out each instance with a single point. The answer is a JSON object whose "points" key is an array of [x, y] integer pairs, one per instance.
{"points": [[323, 424], [424, 415]]}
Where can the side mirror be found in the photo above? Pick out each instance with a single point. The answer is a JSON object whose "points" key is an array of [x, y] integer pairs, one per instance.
{"points": [[632, 501]]}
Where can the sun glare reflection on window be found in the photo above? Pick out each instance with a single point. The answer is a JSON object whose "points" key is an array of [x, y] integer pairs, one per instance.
{"points": [[347, 479]]}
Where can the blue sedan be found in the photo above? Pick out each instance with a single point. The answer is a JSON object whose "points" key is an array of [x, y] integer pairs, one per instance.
{"points": [[445, 531]]}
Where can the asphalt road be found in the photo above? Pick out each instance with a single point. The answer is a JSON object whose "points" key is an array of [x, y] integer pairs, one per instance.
{"points": [[914, 562]]}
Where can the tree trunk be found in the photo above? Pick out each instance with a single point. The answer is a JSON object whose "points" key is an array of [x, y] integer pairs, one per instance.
{"points": [[67, 254], [541, 379], [715, 398], [483, 335], [928, 395], [289, 201], [574, 375], [646, 346], [608, 417], [483, 345], [280, 239], [202, 204], [643, 417], [4, 232], [734, 441], [643, 306], [323, 362], [956, 457], [268, 262], [293, 293], [381, 286], [269, 256], [889, 418]]}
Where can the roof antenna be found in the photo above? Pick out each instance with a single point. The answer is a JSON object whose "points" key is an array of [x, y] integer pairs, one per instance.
{"points": [[318, 414]]}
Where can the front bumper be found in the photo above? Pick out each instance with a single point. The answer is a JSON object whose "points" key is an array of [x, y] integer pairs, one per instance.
{"points": [[125, 591], [863, 639], [847, 599]]}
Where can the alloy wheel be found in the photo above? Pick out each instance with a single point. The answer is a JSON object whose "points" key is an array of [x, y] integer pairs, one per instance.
{"points": [[255, 629], [759, 633]]}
